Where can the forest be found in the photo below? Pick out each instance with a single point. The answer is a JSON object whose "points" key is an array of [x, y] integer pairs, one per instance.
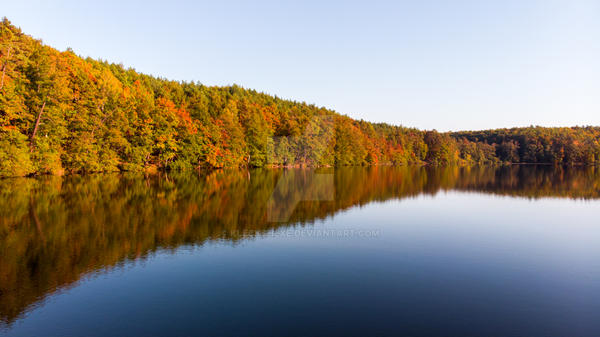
{"points": [[61, 113]]}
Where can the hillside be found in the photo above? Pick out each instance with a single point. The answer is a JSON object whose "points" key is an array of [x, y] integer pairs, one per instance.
{"points": [[60, 113]]}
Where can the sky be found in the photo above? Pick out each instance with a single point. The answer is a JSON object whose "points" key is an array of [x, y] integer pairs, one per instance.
{"points": [[445, 65]]}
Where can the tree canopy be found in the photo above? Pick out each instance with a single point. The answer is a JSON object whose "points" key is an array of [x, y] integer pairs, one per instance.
{"points": [[61, 113]]}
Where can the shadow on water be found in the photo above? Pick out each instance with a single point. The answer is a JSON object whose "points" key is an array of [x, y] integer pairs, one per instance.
{"points": [[55, 230]]}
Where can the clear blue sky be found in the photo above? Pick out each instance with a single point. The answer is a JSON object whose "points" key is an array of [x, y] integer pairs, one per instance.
{"points": [[446, 65]]}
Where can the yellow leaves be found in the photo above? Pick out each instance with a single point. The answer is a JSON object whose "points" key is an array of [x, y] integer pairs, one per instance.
{"points": [[109, 82], [167, 142], [126, 93]]}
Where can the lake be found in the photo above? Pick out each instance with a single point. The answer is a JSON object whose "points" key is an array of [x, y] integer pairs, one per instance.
{"points": [[378, 251]]}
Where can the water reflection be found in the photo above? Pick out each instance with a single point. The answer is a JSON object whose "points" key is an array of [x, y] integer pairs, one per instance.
{"points": [[55, 230]]}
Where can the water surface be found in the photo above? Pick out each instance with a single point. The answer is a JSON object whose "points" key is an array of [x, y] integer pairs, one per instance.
{"points": [[410, 251]]}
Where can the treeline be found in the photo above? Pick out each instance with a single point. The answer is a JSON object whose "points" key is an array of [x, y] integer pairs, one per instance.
{"points": [[62, 113], [540, 145]]}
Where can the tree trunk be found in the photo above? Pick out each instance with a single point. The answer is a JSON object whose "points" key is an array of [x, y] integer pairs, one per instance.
{"points": [[101, 122], [35, 218], [37, 123], [4, 68]]}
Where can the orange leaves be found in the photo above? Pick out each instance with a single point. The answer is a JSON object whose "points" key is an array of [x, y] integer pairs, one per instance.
{"points": [[214, 156], [372, 156], [166, 106], [269, 114], [187, 121]]}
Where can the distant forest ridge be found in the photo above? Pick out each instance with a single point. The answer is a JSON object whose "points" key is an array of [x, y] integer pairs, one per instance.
{"points": [[60, 113]]}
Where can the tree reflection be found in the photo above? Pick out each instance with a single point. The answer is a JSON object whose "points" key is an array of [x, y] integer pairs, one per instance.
{"points": [[55, 230]]}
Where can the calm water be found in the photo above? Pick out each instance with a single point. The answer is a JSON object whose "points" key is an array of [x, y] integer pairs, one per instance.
{"points": [[363, 251]]}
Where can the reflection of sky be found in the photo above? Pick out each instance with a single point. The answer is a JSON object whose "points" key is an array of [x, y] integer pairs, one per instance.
{"points": [[452, 263]]}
